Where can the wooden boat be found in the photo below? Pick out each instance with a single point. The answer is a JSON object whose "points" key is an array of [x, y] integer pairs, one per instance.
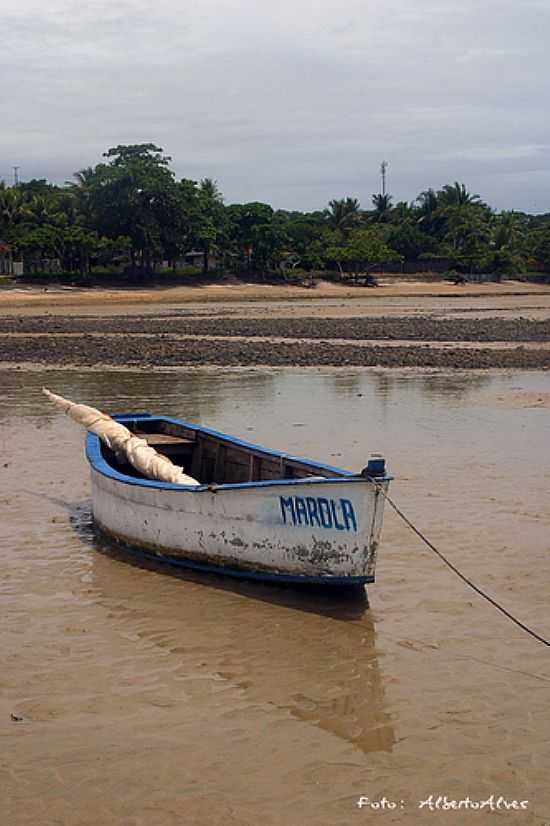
{"points": [[257, 513]]}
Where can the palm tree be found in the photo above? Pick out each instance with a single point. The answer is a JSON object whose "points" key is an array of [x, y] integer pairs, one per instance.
{"points": [[456, 195], [43, 210], [427, 201], [382, 208], [83, 179], [14, 207], [508, 230], [68, 209], [466, 230], [402, 213], [342, 214], [81, 189], [212, 221], [210, 189]]}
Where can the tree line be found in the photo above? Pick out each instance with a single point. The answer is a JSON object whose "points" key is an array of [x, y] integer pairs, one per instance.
{"points": [[130, 213]]}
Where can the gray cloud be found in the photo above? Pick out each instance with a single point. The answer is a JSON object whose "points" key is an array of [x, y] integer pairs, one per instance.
{"points": [[294, 103]]}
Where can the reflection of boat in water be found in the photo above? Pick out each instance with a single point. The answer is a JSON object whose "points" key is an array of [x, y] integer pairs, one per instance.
{"points": [[255, 512], [309, 654]]}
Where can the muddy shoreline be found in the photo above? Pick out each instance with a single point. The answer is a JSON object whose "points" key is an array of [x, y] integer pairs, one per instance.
{"points": [[150, 341]]}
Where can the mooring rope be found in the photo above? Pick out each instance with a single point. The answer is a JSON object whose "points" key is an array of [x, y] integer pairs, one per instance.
{"points": [[455, 570]]}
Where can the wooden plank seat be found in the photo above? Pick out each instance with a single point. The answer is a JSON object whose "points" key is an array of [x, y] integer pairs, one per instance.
{"points": [[176, 448], [155, 439]]}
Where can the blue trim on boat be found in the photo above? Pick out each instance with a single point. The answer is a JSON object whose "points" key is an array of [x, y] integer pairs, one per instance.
{"points": [[96, 460], [236, 573]]}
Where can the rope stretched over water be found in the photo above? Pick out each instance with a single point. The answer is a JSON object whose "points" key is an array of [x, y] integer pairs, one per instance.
{"points": [[455, 570]]}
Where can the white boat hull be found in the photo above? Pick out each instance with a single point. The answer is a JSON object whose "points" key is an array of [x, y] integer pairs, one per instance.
{"points": [[263, 529]]}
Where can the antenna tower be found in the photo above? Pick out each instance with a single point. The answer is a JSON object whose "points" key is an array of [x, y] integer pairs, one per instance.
{"points": [[383, 168]]}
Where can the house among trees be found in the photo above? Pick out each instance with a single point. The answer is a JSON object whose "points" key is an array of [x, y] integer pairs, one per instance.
{"points": [[201, 260]]}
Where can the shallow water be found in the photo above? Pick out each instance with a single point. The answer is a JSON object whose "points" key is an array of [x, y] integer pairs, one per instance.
{"points": [[153, 699]]}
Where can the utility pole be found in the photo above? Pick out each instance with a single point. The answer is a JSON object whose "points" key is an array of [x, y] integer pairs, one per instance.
{"points": [[383, 167], [16, 176]]}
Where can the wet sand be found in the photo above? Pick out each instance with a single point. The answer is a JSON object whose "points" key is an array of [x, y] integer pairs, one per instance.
{"points": [[149, 699]]}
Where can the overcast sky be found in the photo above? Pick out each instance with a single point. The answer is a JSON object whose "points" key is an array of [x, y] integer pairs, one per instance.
{"points": [[292, 102]]}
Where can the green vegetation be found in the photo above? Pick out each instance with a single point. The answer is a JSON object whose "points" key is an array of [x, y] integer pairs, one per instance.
{"points": [[128, 215]]}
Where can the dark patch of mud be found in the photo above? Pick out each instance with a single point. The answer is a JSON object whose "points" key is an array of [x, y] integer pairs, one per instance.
{"points": [[415, 328], [165, 351]]}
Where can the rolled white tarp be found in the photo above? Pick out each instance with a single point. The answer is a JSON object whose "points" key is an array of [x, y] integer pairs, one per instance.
{"points": [[139, 454]]}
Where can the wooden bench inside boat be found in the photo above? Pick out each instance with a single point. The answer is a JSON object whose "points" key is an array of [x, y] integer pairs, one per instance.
{"points": [[212, 459], [168, 445]]}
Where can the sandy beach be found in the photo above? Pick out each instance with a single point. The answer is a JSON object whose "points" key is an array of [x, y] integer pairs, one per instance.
{"points": [[28, 299]]}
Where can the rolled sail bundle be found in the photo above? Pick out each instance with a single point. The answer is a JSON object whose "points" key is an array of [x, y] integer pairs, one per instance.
{"points": [[139, 454]]}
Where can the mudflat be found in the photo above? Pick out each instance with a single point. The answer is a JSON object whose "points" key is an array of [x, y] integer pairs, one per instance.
{"points": [[433, 325]]}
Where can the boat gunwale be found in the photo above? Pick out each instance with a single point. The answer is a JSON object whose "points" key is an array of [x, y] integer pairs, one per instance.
{"points": [[99, 463]]}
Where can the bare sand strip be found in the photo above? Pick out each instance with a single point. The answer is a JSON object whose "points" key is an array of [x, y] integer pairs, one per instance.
{"points": [[58, 299]]}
